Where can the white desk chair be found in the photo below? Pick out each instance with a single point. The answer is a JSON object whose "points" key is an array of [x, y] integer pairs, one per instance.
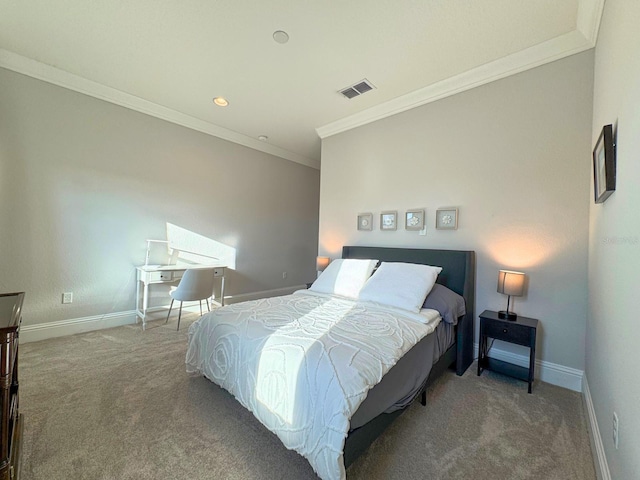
{"points": [[196, 284]]}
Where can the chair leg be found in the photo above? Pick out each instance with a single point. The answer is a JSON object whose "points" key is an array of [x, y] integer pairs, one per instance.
{"points": [[200, 307], [170, 307], [208, 307], [179, 315]]}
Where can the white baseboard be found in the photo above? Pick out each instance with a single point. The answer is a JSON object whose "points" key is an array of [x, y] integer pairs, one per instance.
{"points": [[597, 447], [552, 373], [62, 328]]}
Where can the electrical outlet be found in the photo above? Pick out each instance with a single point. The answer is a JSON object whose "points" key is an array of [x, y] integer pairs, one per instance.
{"points": [[284, 274], [67, 297], [615, 429]]}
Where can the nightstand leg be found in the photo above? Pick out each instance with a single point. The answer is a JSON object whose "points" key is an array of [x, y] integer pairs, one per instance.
{"points": [[532, 364], [481, 349]]}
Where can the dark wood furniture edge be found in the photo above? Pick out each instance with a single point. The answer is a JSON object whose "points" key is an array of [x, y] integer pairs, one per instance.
{"points": [[16, 452], [11, 421], [460, 354]]}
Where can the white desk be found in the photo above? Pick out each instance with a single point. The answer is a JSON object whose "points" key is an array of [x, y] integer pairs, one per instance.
{"points": [[150, 274]]}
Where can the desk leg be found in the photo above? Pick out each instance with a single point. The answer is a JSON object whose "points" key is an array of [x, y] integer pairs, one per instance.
{"points": [[145, 302], [137, 299], [222, 292]]}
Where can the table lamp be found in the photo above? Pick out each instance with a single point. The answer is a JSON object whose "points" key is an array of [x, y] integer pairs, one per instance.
{"points": [[322, 263], [510, 284]]}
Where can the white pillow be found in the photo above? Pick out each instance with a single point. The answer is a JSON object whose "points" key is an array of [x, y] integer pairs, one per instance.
{"points": [[344, 277], [402, 285]]}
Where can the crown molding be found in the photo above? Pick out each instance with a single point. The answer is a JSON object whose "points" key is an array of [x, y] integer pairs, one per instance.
{"points": [[589, 16], [47, 73], [583, 38], [589, 13]]}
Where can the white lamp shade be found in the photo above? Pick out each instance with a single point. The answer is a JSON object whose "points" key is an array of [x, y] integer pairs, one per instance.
{"points": [[322, 263], [511, 283]]}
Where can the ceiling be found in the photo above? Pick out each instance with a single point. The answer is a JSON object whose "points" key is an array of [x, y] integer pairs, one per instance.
{"points": [[170, 58]]}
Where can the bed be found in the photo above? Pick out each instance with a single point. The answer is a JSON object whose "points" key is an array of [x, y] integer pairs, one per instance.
{"points": [[328, 373]]}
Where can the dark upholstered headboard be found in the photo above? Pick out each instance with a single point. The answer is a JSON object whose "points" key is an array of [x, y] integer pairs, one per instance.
{"points": [[458, 274]]}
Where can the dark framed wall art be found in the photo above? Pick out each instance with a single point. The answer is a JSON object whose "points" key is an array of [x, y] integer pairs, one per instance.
{"points": [[604, 165]]}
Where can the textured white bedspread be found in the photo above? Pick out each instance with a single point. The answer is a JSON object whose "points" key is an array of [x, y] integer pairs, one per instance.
{"points": [[303, 363]]}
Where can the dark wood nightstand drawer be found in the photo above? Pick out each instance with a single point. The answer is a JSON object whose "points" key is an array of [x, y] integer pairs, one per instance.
{"points": [[518, 334]]}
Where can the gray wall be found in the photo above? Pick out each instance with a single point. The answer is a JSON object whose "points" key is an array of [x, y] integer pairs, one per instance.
{"points": [[513, 156], [83, 184], [614, 248]]}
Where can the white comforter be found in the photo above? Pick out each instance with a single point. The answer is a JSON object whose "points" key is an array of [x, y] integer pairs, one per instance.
{"points": [[303, 363]]}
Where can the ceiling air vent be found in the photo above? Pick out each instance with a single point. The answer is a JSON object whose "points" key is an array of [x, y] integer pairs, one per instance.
{"points": [[358, 89]]}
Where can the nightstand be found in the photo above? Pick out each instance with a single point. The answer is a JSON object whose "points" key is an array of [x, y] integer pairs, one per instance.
{"points": [[522, 331]]}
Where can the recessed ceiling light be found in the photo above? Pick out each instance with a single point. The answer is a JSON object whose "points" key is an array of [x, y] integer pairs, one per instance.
{"points": [[221, 101], [263, 138], [280, 36]]}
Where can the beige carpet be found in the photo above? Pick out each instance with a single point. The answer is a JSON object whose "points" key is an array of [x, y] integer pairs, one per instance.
{"points": [[117, 404]]}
